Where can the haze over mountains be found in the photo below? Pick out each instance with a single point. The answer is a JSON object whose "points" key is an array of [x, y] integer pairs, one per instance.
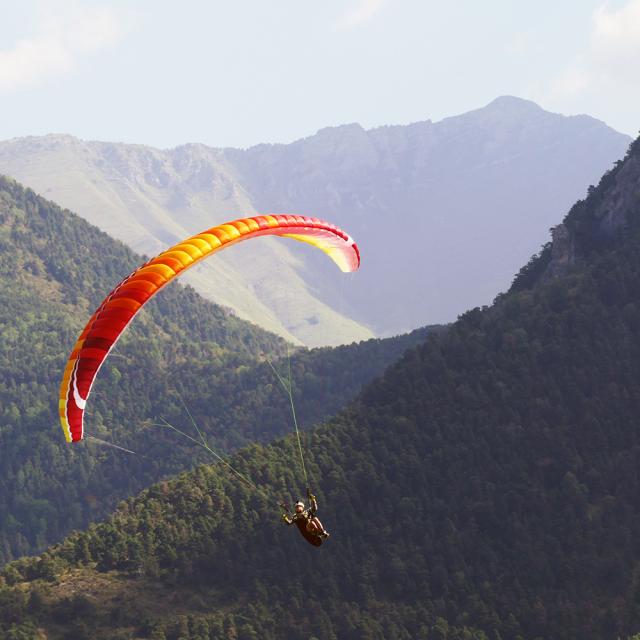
{"points": [[444, 212]]}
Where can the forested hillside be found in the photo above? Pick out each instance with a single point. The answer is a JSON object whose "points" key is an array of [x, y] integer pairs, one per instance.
{"points": [[54, 270], [485, 487]]}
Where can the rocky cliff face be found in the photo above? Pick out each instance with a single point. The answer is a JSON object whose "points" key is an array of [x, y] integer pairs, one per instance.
{"points": [[563, 253], [623, 198], [612, 207]]}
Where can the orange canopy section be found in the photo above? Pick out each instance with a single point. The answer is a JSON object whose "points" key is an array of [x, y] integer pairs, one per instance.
{"points": [[120, 307]]}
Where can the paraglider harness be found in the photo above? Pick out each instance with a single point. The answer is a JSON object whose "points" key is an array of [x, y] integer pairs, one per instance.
{"points": [[302, 519]]}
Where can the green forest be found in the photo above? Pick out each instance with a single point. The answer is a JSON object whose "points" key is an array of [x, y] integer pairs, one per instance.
{"points": [[54, 270], [485, 487]]}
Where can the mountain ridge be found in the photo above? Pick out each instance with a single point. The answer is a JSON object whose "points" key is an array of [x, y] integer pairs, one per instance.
{"points": [[475, 190]]}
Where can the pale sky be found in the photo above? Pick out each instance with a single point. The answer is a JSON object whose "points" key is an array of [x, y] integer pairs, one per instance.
{"points": [[241, 72]]}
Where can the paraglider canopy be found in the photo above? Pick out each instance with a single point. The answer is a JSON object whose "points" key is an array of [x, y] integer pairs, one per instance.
{"points": [[116, 311]]}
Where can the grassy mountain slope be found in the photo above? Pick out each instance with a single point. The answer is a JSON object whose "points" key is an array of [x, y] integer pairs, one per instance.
{"points": [[54, 270], [488, 481], [150, 198]]}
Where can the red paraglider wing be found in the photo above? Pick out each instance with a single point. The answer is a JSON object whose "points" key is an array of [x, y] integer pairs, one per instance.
{"points": [[120, 307]]}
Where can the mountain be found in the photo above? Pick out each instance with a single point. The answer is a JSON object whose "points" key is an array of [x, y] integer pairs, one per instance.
{"points": [[445, 212], [448, 209], [150, 199], [486, 486], [181, 355]]}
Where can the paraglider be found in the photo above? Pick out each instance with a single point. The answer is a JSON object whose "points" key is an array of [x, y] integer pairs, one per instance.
{"points": [[118, 309], [306, 520]]}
